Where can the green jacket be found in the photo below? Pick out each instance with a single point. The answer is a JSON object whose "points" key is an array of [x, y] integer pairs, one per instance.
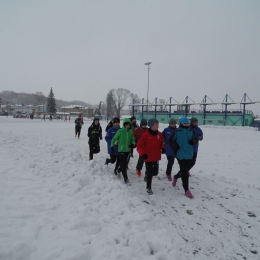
{"points": [[123, 138]]}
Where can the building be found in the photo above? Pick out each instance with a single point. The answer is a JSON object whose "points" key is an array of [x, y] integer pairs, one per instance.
{"points": [[77, 109], [20, 108]]}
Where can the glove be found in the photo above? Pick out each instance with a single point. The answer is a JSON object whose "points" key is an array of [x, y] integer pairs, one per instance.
{"points": [[144, 156], [131, 146], [112, 149], [199, 137], [163, 151], [192, 142]]}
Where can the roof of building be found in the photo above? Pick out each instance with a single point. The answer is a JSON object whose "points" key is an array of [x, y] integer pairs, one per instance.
{"points": [[75, 106]]}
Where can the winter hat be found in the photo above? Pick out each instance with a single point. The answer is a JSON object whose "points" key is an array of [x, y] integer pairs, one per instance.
{"points": [[79, 115], [184, 120], [143, 122], [116, 120], [152, 121], [172, 121], [133, 117], [193, 120], [96, 119]]}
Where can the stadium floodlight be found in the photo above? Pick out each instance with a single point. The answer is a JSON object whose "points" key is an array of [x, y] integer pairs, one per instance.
{"points": [[148, 68]]}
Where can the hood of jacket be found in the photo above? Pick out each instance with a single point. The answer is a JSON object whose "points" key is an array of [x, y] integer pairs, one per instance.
{"points": [[126, 120]]}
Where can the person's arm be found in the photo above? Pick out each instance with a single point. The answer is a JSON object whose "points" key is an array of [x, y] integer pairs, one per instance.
{"points": [[115, 138], [100, 133], [141, 145], [108, 137], [89, 132], [200, 134]]}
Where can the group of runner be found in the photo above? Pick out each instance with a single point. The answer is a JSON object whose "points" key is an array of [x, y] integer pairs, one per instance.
{"points": [[176, 142], [180, 143]]}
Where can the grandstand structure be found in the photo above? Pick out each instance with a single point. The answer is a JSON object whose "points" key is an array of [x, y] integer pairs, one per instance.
{"points": [[226, 116]]}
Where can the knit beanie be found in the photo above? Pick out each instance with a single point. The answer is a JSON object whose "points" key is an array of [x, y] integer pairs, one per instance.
{"points": [[116, 120], [193, 120], [133, 117], [152, 121], [184, 120], [172, 121], [143, 122]]}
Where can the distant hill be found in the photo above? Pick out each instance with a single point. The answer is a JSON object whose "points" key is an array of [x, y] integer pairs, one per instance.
{"points": [[38, 98]]}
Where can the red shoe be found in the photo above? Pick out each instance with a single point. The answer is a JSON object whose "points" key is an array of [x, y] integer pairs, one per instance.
{"points": [[189, 194], [139, 174]]}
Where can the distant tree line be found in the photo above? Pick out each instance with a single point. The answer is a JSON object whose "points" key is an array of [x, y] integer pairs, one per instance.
{"points": [[116, 100], [38, 98]]}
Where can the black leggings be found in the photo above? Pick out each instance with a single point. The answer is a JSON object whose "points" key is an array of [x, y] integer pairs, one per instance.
{"points": [[77, 131], [169, 165], [113, 159], [152, 169], [123, 158], [183, 173], [193, 161]]}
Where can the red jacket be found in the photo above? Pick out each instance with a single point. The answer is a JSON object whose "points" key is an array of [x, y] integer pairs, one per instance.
{"points": [[138, 133], [151, 145]]}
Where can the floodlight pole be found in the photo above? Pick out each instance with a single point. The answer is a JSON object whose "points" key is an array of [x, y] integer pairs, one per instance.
{"points": [[148, 68]]}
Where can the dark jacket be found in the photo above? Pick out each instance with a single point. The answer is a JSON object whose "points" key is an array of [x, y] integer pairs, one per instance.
{"points": [[199, 135], [94, 134], [79, 122], [167, 132], [109, 125], [109, 136]]}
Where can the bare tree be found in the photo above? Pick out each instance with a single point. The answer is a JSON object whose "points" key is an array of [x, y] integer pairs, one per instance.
{"points": [[104, 108], [119, 98], [40, 98], [136, 101]]}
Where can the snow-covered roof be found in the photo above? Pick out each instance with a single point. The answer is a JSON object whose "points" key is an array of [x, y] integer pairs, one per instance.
{"points": [[75, 106]]}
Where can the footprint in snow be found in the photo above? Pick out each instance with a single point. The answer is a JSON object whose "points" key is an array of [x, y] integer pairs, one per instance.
{"points": [[251, 214], [189, 212]]}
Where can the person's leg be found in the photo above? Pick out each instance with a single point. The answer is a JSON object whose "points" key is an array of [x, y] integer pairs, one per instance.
{"points": [[123, 164], [117, 163], [184, 167], [90, 152], [152, 169], [169, 165], [128, 160], [79, 130], [140, 163], [193, 161]]}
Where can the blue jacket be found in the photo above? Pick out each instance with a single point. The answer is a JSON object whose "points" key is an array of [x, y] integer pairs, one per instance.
{"points": [[182, 137], [109, 136], [198, 132], [167, 132]]}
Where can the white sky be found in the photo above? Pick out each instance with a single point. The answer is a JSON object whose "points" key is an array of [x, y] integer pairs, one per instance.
{"points": [[85, 48]]}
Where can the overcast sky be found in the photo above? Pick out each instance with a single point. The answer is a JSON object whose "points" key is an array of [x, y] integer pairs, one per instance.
{"points": [[85, 48]]}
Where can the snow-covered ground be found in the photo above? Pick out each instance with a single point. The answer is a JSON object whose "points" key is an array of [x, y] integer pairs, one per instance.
{"points": [[55, 204]]}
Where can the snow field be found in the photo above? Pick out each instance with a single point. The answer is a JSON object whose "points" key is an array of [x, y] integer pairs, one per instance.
{"points": [[55, 204]]}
